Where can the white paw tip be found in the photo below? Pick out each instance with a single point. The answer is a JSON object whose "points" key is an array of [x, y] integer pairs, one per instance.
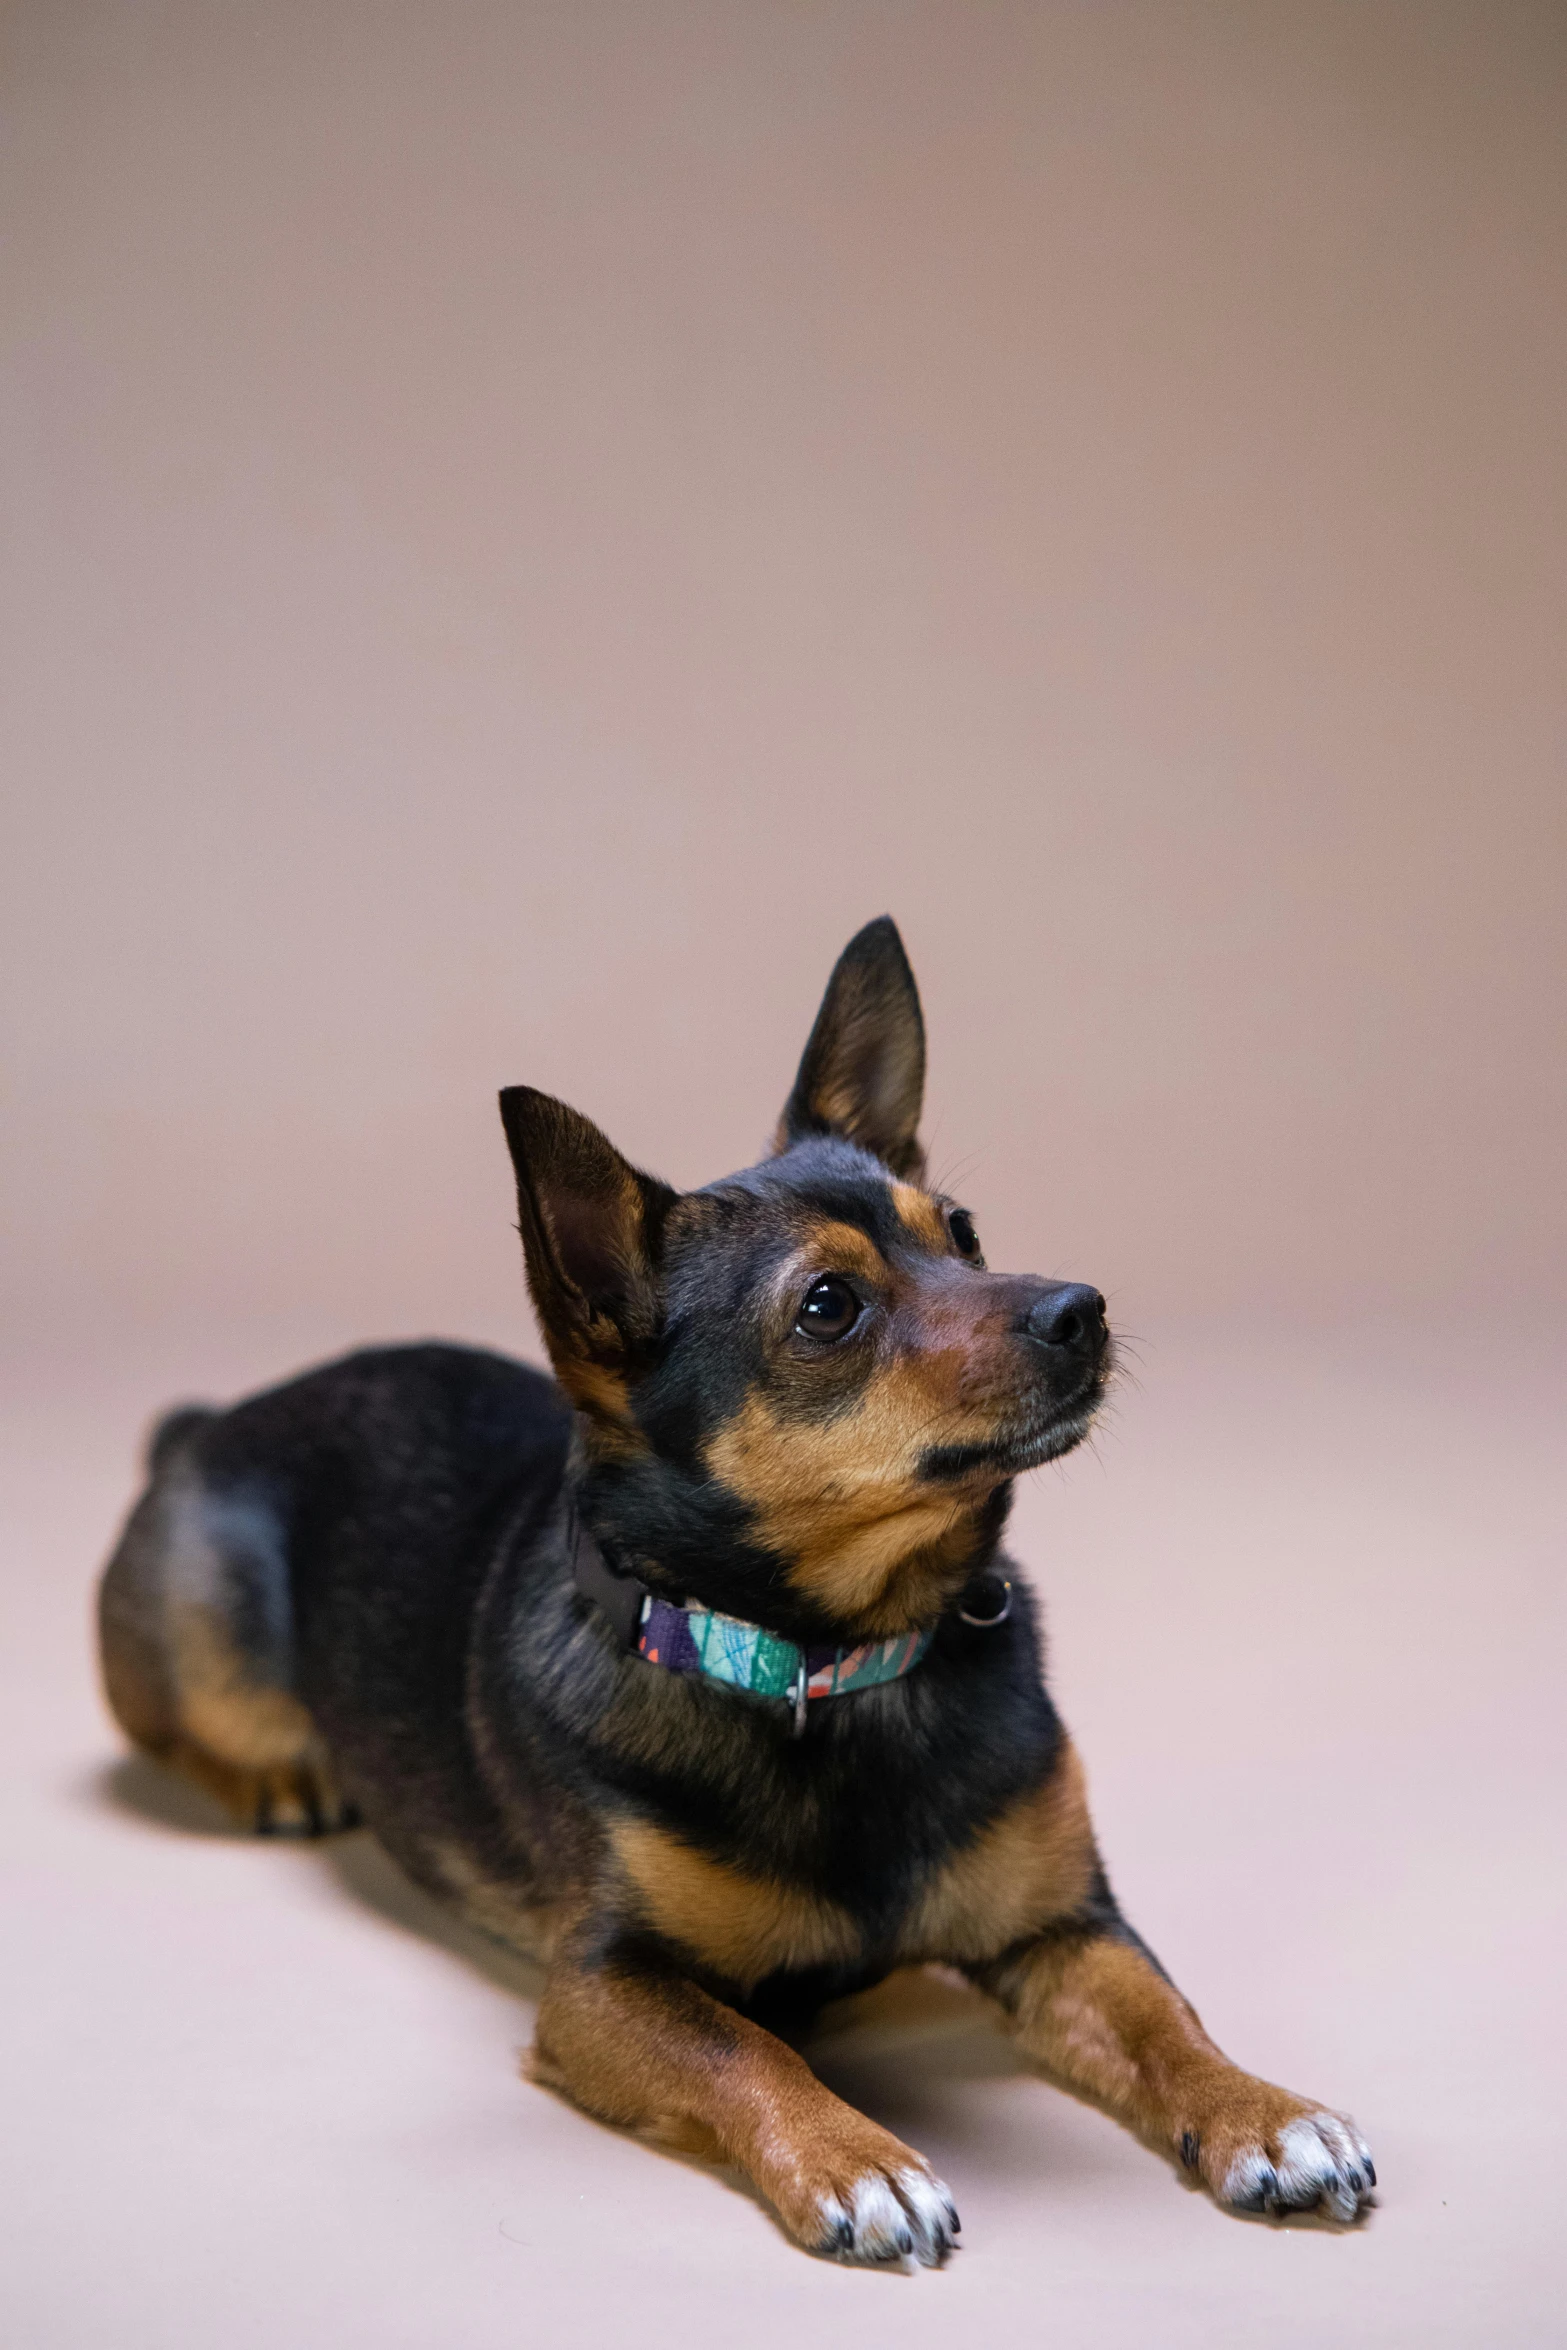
{"points": [[837, 2227], [933, 2213], [881, 2225], [1321, 2160], [911, 2220], [1251, 2180]]}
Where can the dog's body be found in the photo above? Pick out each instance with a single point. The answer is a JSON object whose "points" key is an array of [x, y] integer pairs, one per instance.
{"points": [[391, 1589]]}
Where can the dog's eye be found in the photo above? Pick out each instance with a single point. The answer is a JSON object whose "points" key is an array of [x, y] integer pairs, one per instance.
{"points": [[829, 1309], [964, 1237]]}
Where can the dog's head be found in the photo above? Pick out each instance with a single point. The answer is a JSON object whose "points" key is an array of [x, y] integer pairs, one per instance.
{"points": [[804, 1393]]}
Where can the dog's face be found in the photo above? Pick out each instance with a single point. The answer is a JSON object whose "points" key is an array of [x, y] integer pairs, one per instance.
{"points": [[802, 1384]]}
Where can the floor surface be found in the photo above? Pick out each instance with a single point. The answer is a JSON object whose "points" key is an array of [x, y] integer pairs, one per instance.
{"points": [[1306, 1602]]}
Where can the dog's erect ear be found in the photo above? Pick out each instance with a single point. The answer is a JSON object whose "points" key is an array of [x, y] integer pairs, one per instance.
{"points": [[863, 1075], [592, 1233]]}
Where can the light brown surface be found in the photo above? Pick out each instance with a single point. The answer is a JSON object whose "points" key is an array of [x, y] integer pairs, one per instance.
{"points": [[523, 526], [1307, 1615]]}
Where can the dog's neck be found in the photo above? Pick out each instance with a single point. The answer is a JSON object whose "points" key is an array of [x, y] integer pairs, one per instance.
{"points": [[688, 1543]]}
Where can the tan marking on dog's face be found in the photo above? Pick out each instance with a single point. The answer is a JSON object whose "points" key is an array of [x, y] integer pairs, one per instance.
{"points": [[743, 1927], [828, 1246], [602, 1394], [842, 1502], [1029, 1868], [827, 1454], [922, 1217]]}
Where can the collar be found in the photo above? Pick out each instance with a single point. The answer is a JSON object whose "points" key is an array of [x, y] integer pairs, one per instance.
{"points": [[687, 1639]]}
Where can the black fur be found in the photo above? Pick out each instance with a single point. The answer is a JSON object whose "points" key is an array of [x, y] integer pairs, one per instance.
{"points": [[475, 1707], [471, 1698]]}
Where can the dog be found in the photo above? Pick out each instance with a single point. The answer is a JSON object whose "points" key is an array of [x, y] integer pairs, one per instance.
{"points": [[699, 1672]]}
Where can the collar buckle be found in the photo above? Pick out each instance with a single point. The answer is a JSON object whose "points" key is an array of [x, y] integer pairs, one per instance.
{"points": [[801, 1696]]}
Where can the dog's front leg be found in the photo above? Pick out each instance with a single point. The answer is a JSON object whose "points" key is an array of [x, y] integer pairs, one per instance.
{"points": [[625, 2034], [1095, 2011]]}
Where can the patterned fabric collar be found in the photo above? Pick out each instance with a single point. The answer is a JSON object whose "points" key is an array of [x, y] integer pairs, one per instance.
{"points": [[721, 1648]]}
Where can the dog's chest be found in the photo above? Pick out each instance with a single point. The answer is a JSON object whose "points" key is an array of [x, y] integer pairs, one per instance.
{"points": [[865, 1895]]}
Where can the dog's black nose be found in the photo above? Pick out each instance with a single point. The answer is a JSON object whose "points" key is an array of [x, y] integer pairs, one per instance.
{"points": [[1069, 1315]]}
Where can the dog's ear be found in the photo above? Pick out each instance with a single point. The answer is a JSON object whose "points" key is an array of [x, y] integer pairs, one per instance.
{"points": [[592, 1234], [863, 1075]]}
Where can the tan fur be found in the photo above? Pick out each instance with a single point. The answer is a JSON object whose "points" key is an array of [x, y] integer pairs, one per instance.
{"points": [[656, 2054], [828, 1246], [299, 1798], [743, 1927], [653, 2052], [135, 1674], [602, 1394], [859, 1513], [1032, 1866], [198, 1708], [840, 1497], [222, 1706], [921, 1217], [1099, 2017]]}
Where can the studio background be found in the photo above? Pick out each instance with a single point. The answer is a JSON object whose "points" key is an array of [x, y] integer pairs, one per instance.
{"points": [[523, 527]]}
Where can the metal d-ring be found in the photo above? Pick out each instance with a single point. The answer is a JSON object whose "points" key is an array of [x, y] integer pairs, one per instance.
{"points": [[988, 1623]]}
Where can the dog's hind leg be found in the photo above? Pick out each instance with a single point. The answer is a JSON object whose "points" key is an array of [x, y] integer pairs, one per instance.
{"points": [[196, 1633]]}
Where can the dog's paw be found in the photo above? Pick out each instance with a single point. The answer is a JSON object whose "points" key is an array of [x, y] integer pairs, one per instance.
{"points": [[299, 1799], [860, 2194], [904, 2215], [1317, 2161], [1283, 2156]]}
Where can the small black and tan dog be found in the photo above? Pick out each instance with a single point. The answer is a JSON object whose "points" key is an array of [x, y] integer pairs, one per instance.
{"points": [[702, 1675]]}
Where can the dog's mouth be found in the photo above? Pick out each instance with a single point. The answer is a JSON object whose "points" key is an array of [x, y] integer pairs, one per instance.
{"points": [[1043, 1435]]}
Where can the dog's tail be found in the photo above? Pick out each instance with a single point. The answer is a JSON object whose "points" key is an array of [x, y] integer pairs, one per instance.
{"points": [[174, 1430]]}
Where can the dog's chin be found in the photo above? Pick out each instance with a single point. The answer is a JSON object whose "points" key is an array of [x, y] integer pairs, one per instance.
{"points": [[1062, 1434], [1043, 1436]]}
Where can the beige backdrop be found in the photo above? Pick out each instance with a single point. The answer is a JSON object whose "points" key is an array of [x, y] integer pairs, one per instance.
{"points": [[523, 526], [527, 524]]}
